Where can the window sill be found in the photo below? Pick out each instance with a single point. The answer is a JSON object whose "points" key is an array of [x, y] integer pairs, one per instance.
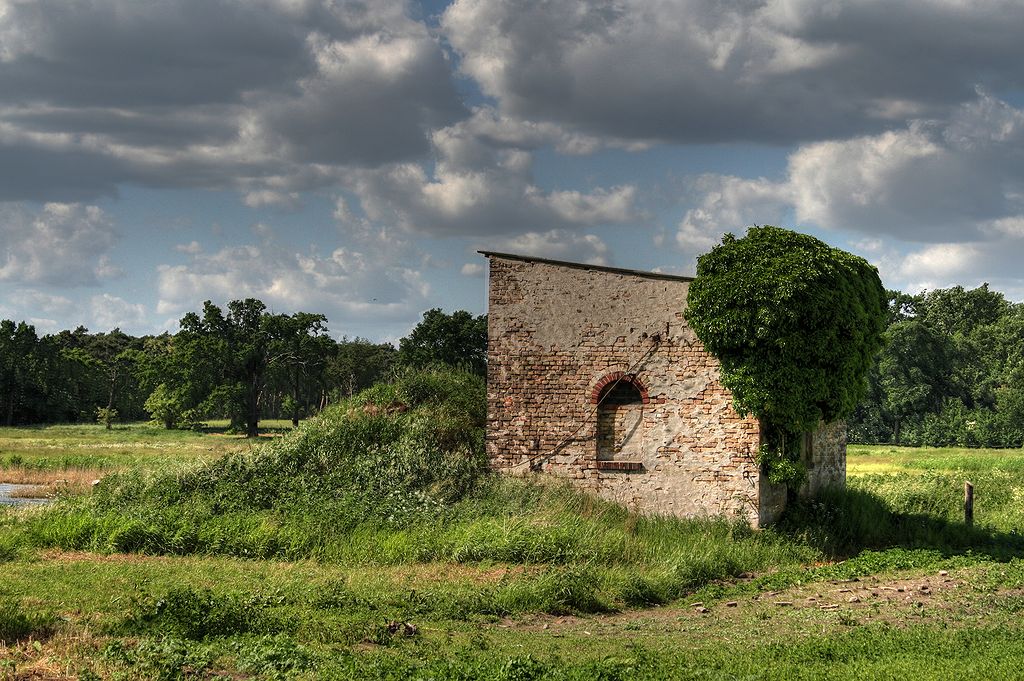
{"points": [[627, 466]]}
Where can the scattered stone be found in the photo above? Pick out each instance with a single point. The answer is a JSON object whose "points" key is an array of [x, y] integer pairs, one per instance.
{"points": [[731, 604], [698, 604], [925, 589], [845, 591], [703, 610], [812, 600], [900, 589], [783, 603], [831, 606], [943, 573], [403, 628], [547, 626], [854, 599]]}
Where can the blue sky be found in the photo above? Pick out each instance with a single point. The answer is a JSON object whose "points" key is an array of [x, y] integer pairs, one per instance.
{"points": [[350, 157]]}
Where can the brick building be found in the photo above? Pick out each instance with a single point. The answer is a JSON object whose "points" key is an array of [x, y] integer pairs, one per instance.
{"points": [[594, 375]]}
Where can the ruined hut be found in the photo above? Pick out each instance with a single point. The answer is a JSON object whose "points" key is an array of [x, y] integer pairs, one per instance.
{"points": [[594, 375]]}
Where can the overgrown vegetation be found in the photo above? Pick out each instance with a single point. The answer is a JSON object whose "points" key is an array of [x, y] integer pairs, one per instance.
{"points": [[796, 325]]}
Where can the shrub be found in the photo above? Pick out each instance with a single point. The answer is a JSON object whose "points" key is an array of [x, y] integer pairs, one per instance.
{"points": [[106, 416], [795, 324]]}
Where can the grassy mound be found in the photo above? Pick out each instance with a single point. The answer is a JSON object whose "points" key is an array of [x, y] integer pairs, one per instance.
{"points": [[392, 454]]}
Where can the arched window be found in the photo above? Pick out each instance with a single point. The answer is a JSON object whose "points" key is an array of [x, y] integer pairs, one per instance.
{"points": [[620, 401]]}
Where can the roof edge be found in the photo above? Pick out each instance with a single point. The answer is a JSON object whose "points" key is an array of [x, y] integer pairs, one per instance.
{"points": [[585, 266]]}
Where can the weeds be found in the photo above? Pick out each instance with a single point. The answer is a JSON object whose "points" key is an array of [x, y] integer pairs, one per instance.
{"points": [[201, 614]]}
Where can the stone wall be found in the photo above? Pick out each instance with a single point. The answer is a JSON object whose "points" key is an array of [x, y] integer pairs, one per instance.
{"points": [[825, 458], [557, 334]]}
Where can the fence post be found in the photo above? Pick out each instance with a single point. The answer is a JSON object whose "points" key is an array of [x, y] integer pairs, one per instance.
{"points": [[968, 504]]}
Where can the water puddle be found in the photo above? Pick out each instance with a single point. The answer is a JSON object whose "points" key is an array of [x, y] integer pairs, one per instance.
{"points": [[9, 489]]}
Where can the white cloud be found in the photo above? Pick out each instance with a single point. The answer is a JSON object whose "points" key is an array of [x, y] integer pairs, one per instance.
{"points": [[954, 185], [700, 70], [268, 197], [112, 312], [357, 287], [729, 204], [60, 244], [933, 181], [940, 262], [476, 188], [472, 269], [557, 244], [269, 98]]}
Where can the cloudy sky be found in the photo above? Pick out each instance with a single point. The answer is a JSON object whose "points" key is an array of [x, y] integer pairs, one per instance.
{"points": [[349, 157]]}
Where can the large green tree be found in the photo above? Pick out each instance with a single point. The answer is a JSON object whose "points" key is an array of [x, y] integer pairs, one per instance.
{"points": [[19, 350], [795, 324], [359, 363], [299, 352], [232, 352], [456, 339]]}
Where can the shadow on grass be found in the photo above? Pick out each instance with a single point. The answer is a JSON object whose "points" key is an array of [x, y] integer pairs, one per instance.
{"points": [[264, 431], [844, 522]]}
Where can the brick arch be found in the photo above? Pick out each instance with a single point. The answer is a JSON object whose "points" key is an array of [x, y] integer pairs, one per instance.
{"points": [[621, 377]]}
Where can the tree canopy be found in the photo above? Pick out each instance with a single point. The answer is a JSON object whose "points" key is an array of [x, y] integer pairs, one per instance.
{"points": [[796, 325], [456, 339]]}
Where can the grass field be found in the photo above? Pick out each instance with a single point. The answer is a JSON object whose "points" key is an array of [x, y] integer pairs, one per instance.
{"points": [[867, 459], [514, 581], [75, 455]]}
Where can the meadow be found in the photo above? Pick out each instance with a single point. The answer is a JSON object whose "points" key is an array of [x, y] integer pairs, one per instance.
{"points": [[372, 544]]}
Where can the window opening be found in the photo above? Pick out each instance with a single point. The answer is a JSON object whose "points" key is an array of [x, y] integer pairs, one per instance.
{"points": [[619, 421]]}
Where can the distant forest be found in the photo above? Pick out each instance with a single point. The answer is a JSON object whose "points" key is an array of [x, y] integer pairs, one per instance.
{"points": [[951, 372], [242, 363]]}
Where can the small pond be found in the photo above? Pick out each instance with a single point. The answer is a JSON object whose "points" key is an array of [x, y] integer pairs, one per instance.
{"points": [[7, 489]]}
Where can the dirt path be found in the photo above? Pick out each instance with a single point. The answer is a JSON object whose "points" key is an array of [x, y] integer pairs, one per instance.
{"points": [[894, 601]]}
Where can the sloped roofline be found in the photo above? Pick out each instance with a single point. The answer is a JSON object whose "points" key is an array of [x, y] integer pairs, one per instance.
{"points": [[584, 266]]}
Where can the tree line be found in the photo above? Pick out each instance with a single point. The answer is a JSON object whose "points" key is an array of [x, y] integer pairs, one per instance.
{"points": [[241, 363], [951, 372]]}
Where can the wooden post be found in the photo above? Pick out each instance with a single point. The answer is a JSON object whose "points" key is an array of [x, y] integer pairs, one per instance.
{"points": [[968, 504]]}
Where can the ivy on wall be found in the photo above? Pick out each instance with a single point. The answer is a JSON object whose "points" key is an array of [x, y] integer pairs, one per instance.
{"points": [[795, 324]]}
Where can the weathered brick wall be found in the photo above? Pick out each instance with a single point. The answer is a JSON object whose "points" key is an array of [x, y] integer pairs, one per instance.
{"points": [[555, 332], [826, 463]]}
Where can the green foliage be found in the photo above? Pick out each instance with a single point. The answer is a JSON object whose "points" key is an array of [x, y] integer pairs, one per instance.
{"points": [[166, 405], [358, 364], [194, 614], [274, 657], [951, 372], [458, 339], [796, 325], [162, 659], [106, 416]]}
